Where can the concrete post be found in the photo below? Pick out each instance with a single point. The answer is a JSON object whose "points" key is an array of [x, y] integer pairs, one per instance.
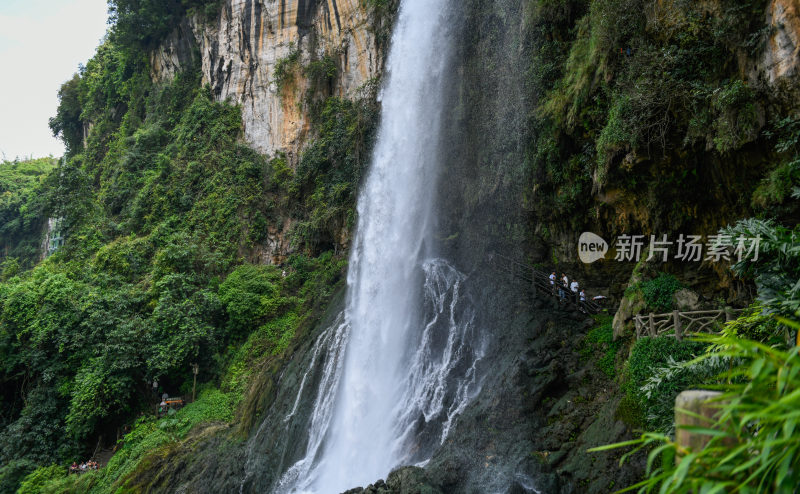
{"points": [[698, 402], [652, 325], [676, 321], [195, 370], [729, 314]]}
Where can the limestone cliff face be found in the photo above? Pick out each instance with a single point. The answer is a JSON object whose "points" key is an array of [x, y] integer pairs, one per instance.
{"points": [[238, 53], [240, 49], [781, 57]]}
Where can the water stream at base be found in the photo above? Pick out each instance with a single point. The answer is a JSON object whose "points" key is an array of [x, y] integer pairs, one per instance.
{"points": [[440, 379], [400, 362]]}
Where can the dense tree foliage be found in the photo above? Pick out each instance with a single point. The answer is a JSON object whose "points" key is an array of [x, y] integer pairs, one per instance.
{"points": [[650, 100], [23, 203], [163, 207], [144, 23], [753, 444]]}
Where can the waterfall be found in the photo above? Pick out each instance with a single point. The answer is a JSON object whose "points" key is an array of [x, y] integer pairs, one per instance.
{"points": [[402, 364]]}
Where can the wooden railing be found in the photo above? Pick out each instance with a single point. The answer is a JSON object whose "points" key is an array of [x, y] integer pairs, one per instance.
{"points": [[681, 324], [539, 283]]}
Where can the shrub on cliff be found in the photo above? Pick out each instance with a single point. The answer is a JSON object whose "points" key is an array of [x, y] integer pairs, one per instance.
{"points": [[331, 168], [656, 399], [753, 442], [599, 341], [143, 24], [659, 291]]}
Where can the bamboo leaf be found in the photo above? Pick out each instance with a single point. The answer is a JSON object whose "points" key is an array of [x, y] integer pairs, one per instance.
{"points": [[705, 431], [607, 447]]}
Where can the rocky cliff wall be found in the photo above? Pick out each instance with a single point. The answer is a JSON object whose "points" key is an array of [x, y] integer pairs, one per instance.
{"points": [[781, 56], [543, 404], [240, 50], [683, 183], [277, 60]]}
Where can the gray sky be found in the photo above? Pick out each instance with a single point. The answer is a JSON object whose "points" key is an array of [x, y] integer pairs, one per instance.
{"points": [[41, 44]]}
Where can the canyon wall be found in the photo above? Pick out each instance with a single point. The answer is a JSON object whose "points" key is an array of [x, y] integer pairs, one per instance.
{"points": [[240, 50]]}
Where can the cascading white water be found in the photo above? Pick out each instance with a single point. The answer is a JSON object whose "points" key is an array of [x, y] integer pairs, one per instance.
{"points": [[442, 374], [332, 344], [395, 213], [402, 365], [440, 379]]}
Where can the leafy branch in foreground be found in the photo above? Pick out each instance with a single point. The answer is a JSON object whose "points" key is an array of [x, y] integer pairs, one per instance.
{"points": [[777, 270], [753, 446]]}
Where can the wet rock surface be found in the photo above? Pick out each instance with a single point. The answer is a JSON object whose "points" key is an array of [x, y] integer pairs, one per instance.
{"points": [[408, 480], [542, 405]]}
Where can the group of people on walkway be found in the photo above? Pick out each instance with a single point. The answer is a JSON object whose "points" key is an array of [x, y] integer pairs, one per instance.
{"points": [[83, 467], [168, 404], [165, 404], [577, 293]]}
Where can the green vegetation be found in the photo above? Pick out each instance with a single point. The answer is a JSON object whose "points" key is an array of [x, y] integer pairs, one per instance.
{"points": [[142, 24], [22, 211], [753, 443], [149, 437], [643, 97], [259, 308], [778, 267], [331, 167], [783, 182], [754, 324], [656, 398], [374, 4], [165, 214], [659, 291], [322, 72], [37, 481], [382, 15], [286, 69], [600, 341]]}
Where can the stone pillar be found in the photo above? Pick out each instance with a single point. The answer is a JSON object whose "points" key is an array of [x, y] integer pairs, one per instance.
{"points": [[729, 316], [676, 321], [698, 402]]}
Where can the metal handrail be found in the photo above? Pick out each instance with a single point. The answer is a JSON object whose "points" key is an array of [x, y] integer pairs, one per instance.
{"points": [[540, 280]]}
